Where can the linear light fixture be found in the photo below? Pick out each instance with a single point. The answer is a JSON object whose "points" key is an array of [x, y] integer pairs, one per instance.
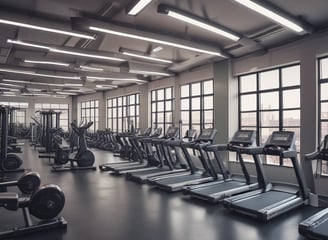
{"points": [[36, 94], [114, 79], [272, 15], [11, 85], [136, 7], [56, 50], [154, 40], [47, 62], [46, 29], [135, 71], [35, 83], [146, 57], [9, 89], [38, 74], [73, 84], [106, 86], [196, 21], [87, 68], [67, 93], [18, 42]]}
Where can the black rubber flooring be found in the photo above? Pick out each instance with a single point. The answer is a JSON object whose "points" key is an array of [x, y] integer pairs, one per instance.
{"points": [[100, 206]]}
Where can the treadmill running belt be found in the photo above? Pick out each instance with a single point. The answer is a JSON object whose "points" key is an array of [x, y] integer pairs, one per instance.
{"points": [[179, 179], [149, 171], [321, 229], [220, 187], [263, 200]]}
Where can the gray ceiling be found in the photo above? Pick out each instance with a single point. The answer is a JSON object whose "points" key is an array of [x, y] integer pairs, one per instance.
{"points": [[258, 34]]}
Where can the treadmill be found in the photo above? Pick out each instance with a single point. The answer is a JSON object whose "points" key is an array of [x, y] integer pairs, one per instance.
{"points": [[113, 165], [243, 142], [163, 152], [144, 149], [265, 204], [316, 226], [197, 174]]}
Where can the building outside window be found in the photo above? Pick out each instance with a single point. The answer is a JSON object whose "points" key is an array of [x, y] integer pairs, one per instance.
{"points": [[63, 108], [162, 108], [122, 112], [90, 112], [270, 101], [19, 116], [197, 105], [323, 105]]}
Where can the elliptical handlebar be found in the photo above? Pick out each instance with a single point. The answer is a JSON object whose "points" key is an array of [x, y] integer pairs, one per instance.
{"points": [[81, 128]]}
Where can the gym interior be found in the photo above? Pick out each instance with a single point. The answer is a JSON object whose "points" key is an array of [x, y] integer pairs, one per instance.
{"points": [[161, 119]]}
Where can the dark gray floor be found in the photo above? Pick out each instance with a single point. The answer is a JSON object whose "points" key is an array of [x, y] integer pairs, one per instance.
{"points": [[101, 207]]}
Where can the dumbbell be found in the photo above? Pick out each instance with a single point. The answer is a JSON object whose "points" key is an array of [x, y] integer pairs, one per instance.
{"points": [[46, 203], [28, 183]]}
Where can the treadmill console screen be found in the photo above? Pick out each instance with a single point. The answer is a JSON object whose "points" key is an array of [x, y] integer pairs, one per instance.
{"points": [[282, 139], [243, 137], [172, 132], [207, 134]]}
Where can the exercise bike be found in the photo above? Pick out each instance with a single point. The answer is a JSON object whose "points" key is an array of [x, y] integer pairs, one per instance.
{"points": [[84, 158]]}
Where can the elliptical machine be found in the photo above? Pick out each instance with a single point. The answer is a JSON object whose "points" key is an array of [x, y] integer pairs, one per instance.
{"points": [[8, 162], [84, 158]]}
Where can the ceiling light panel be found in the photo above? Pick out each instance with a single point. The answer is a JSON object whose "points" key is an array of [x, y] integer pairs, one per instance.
{"points": [[146, 57], [45, 29], [47, 63], [196, 21], [273, 15], [137, 6], [15, 71], [181, 45]]}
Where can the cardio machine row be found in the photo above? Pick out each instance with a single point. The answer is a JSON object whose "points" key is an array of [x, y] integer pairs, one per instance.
{"points": [[198, 170]]}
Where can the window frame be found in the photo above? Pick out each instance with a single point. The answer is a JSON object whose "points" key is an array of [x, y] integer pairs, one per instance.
{"points": [[281, 89]]}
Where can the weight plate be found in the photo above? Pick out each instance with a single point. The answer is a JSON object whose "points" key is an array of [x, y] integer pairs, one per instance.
{"points": [[11, 162], [85, 159], [29, 182], [47, 202], [61, 157]]}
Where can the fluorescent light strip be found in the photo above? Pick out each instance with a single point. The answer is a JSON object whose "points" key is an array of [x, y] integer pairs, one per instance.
{"points": [[46, 29], [85, 55], [115, 79], [11, 85], [9, 89], [67, 93], [73, 84], [35, 94], [55, 50], [47, 63], [270, 14], [138, 7], [38, 74], [201, 24], [128, 35], [106, 86], [18, 42], [87, 68], [149, 73], [36, 83], [146, 57]]}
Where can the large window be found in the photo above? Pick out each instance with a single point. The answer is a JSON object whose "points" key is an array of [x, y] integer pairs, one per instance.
{"points": [[122, 112], [197, 109], [90, 112], [270, 101], [323, 105], [62, 108], [19, 116], [162, 107]]}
